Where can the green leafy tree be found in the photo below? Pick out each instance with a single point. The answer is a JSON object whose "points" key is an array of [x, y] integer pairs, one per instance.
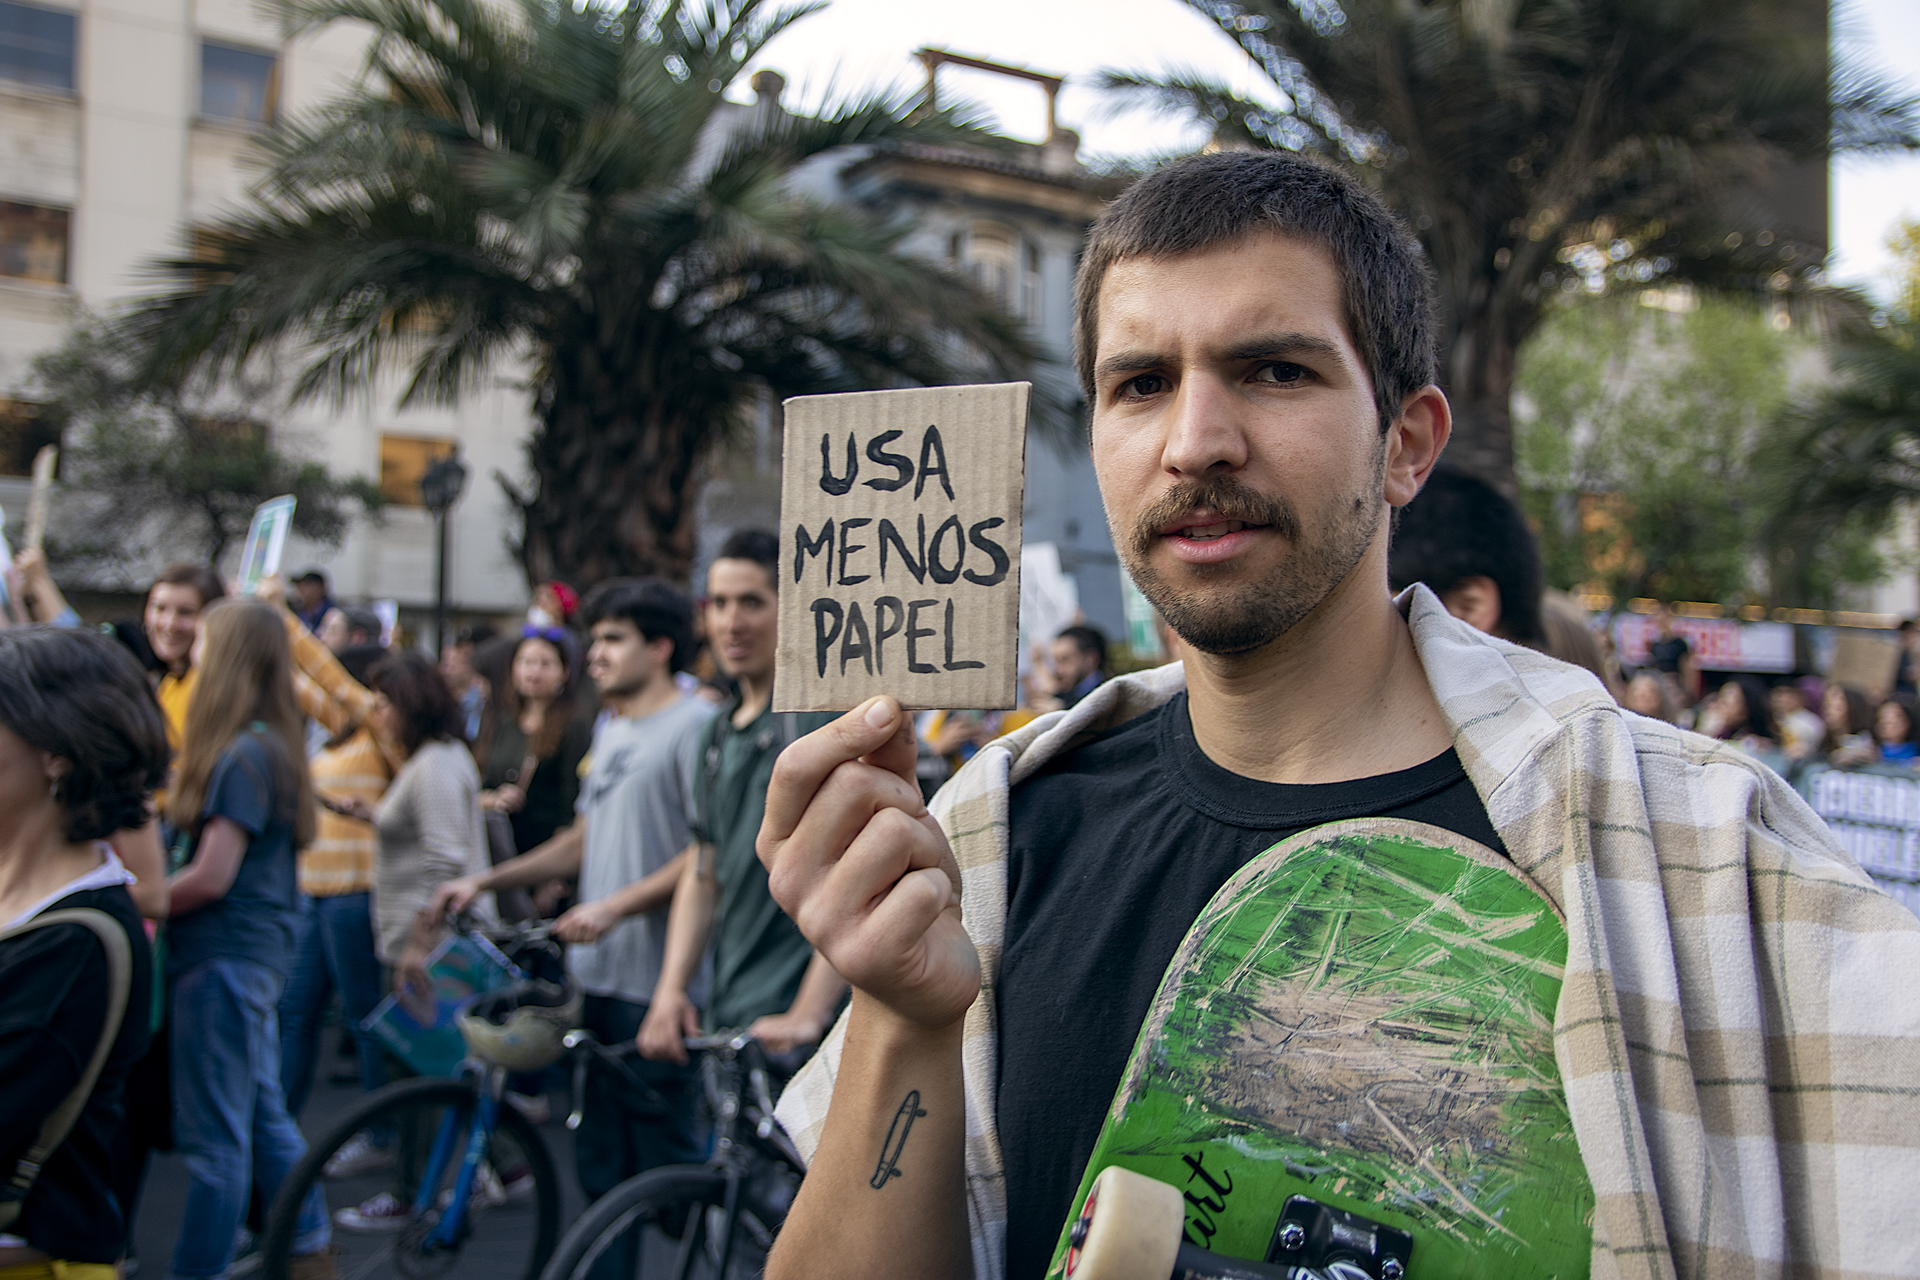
{"points": [[1847, 458], [566, 185], [1649, 458], [1542, 147], [155, 473]]}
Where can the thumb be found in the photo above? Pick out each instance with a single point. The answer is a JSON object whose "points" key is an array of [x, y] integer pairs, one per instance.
{"points": [[898, 750]]}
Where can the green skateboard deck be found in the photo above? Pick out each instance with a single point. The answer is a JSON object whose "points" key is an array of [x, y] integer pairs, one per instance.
{"points": [[1364, 1015]]}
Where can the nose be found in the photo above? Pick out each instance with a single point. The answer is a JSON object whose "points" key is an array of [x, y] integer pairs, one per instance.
{"points": [[1205, 435]]}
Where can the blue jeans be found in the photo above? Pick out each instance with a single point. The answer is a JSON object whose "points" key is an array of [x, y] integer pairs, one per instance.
{"points": [[230, 1123], [613, 1144], [333, 952]]}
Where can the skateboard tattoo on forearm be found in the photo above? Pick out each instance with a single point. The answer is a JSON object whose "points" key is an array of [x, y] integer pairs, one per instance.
{"points": [[889, 1167]]}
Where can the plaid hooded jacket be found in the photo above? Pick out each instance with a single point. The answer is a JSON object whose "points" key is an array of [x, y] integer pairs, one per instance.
{"points": [[1739, 1029]]}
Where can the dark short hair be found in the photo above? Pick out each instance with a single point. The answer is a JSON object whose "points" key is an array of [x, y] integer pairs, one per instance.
{"points": [[762, 546], [77, 695], [474, 633], [361, 618], [204, 581], [656, 608], [1208, 200], [1460, 527], [418, 692], [311, 575], [1087, 640]]}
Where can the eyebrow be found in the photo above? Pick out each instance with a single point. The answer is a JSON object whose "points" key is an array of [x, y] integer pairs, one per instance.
{"points": [[1266, 346]]}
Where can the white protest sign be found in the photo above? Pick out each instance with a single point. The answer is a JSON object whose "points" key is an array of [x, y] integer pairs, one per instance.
{"points": [[41, 498], [266, 540], [900, 548]]}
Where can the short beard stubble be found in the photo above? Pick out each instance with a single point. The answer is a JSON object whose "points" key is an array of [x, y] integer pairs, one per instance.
{"points": [[1261, 611]]}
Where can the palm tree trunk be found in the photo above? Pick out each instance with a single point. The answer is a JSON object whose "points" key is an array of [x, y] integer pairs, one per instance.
{"points": [[616, 484], [1477, 370]]}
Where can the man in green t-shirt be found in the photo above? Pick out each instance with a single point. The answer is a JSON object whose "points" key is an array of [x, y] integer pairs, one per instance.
{"points": [[766, 977]]}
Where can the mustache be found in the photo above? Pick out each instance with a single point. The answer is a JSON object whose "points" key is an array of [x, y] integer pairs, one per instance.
{"points": [[1227, 497]]}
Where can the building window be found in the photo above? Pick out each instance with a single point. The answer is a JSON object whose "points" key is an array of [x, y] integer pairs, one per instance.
{"points": [[1005, 268], [33, 242], [403, 462], [36, 46], [24, 431], [238, 86]]}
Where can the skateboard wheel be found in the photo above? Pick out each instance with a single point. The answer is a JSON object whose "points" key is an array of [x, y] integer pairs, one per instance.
{"points": [[1129, 1229]]}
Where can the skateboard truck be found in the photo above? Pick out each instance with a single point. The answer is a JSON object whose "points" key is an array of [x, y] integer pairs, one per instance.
{"points": [[1316, 1236], [1130, 1229]]}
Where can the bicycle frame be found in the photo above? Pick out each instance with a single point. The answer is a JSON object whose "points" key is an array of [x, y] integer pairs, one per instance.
{"points": [[734, 1154]]}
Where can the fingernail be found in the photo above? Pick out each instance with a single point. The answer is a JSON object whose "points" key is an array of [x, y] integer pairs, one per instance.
{"points": [[879, 715]]}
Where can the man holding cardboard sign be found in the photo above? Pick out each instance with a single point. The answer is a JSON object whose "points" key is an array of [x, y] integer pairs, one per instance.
{"points": [[1256, 339]]}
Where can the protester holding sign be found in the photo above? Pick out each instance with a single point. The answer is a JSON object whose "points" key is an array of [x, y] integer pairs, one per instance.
{"points": [[1257, 344], [171, 617]]}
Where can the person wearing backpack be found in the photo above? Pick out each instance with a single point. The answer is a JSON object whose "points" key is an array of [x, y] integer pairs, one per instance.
{"points": [[82, 747], [244, 800]]}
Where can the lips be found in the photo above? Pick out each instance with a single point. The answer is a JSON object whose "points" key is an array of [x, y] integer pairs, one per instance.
{"points": [[1208, 532]]}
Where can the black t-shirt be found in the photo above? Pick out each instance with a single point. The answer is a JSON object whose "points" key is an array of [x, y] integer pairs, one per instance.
{"points": [[1116, 847], [53, 991]]}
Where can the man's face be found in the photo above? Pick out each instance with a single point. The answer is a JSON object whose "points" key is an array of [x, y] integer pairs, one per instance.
{"points": [[621, 661], [172, 620], [310, 591], [456, 662], [1236, 438], [740, 618], [1071, 663]]}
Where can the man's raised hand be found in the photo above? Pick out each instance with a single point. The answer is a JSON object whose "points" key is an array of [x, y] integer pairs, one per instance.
{"points": [[855, 858]]}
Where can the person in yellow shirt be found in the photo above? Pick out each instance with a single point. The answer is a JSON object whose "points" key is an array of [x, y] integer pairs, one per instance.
{"points": [[171, 617]]}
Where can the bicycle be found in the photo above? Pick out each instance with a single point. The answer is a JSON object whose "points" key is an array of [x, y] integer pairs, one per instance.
{"points": [[718, 1218], [464, 1171]]}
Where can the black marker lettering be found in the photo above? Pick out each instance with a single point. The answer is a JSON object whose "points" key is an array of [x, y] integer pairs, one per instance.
{"points": [[823, 638], [803, 546], [876, 452], [856, 621], [914, 632], [930, 447], [1195, 1162], [889, 1167], [916, 567], [881, 631], [977, 536], [830, 482], [951, 664], [938, 572], [847, 548]]}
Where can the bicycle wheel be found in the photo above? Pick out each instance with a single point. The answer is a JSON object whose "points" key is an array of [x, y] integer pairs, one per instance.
{"points": [[417, 1135], [677, 1217]]}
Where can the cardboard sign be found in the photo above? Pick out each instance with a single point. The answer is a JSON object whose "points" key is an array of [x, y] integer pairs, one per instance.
{"points": [[900, 548], [266, 541], [1866, 660], [40, 500]]}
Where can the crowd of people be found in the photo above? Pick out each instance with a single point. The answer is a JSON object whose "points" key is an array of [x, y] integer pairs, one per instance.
{"points": [[304, 805]]}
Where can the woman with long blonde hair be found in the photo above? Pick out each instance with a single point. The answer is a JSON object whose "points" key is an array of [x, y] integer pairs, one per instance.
{"points": [[244, 799]]}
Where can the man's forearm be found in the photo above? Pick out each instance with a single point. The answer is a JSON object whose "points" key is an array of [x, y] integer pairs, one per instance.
{"points": [[820, 990], [691, 921], [651, 892], [558, 857], [886, 1192]]}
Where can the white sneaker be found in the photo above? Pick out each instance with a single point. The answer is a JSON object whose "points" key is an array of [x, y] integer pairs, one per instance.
{"points": [[531, 1105], [382, 1211], [358, 1156]]}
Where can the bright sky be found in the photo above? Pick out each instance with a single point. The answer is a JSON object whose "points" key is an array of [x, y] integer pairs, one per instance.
{"points": [[854, 44]]}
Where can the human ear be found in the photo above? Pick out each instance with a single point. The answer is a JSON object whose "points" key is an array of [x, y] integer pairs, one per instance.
{"points": [[1415, 441]]}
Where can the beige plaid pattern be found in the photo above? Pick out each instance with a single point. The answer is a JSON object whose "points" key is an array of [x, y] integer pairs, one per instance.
{"points": [[1739, 1032]]}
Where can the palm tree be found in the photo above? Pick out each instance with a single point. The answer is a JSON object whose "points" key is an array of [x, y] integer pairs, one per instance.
{"points": [[565, 185], [1846, 460], [1541, 146]]}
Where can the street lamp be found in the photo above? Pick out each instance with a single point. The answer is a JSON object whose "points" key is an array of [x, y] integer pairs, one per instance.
{"points": [[439, 489]]}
